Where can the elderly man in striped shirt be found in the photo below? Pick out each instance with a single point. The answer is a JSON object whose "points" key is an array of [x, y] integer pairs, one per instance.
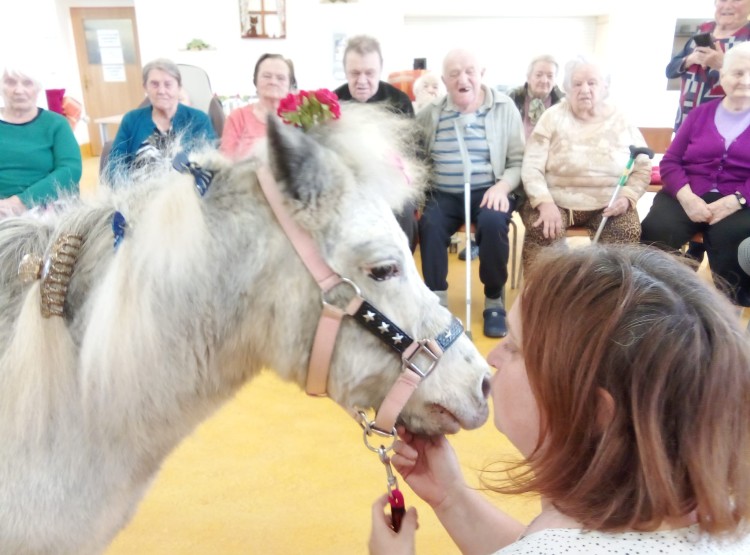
{"points": [[475, 133]]}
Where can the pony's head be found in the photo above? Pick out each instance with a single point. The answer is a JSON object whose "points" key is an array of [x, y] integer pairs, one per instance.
{"points": [[342, 182]]}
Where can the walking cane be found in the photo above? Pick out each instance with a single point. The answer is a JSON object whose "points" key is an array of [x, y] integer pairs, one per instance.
{"points": [[467, 218], [634, 151]]}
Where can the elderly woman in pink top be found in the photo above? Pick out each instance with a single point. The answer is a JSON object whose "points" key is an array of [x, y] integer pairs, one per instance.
{"points": [[274, 79]]}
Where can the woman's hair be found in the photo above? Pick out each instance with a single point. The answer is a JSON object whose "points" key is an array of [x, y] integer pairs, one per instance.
{"points": [[18, 72], [641, 372], [289, 64], [165, 65], [741, 50], [579, 61], [543, 58], [363, 45]]}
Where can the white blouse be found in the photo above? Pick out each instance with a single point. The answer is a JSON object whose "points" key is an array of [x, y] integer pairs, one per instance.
{"points": [[561, 541]]}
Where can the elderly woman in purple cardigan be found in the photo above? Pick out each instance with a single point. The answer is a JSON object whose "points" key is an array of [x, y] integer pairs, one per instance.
{"points": [[706, 176]]}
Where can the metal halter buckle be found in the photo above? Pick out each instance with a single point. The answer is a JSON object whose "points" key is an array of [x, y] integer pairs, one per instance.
{"points": [[426, 355], [327, 301]]}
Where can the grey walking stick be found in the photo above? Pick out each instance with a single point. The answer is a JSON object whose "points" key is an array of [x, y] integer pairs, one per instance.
{"points": [[634, 151]]}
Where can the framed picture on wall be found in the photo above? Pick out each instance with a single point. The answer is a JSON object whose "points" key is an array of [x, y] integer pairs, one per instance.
{"points": [[339, 45], [263, 19]]}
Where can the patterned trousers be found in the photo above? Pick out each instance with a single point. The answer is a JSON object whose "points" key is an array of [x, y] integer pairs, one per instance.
{"points": [[622, 229]]}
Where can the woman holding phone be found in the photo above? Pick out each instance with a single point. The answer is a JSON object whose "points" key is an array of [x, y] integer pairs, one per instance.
{"points": [[698, 63]]}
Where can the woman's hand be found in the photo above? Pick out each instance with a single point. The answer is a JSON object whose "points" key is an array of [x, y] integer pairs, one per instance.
{"points": [[11, 206], [700, 56], [429, 465], [496, 197], [383, 540], [713, 58], [722, 208], [618, 208], [549, 219], [695, 207]]}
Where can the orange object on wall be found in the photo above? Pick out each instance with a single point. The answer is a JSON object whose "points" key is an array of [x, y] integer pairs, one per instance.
{"points": [[404, 80], [72, 110]]}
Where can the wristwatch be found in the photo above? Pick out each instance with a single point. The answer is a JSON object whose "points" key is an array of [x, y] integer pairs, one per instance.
{"points": [[742, 200]]}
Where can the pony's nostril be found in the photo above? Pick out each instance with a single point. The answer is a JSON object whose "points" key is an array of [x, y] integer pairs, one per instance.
{"points": [[486, 387]]}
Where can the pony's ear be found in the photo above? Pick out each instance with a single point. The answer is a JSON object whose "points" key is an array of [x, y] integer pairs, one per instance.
{"points": [[297, 161]]}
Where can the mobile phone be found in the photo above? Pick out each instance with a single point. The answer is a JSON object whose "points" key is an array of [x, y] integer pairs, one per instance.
{"points": [[704, 39]]}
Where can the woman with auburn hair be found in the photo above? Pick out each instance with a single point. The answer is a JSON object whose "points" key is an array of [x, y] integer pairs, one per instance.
{"points": [[624, 383]]}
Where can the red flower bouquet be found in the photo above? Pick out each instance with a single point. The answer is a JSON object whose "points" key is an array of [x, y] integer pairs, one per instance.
{"points": [[308, 108]]}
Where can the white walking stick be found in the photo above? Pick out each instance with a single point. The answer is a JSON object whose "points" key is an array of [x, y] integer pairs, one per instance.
{"points": [[467, 217]]}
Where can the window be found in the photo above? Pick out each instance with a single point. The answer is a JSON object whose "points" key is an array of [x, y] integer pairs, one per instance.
{"points": [[263, 19]]}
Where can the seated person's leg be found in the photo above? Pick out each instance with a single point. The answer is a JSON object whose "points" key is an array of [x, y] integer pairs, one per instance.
{"points": [[407, 219], [533, 238], [722, 241], [442, 216], [622, 229], [492, 238], [667, 226]]}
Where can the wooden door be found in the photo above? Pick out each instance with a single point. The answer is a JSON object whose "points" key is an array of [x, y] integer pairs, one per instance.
{"points": [[109, 63]]}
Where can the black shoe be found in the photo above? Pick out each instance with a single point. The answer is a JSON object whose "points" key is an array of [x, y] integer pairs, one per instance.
{"points": [[494, 322], [474, 252]]}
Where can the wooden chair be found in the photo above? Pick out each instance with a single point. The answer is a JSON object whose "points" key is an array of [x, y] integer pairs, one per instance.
{"points": [[657, 138]]}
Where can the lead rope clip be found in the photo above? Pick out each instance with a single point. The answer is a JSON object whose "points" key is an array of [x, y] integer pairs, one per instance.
{"points": [[395, 497]]}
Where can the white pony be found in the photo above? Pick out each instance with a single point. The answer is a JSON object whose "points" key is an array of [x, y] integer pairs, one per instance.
{"points": [[201, 293]]}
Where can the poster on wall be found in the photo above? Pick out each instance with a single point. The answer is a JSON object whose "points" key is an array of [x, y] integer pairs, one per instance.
{"points": [[262, 19], [339, 45]]}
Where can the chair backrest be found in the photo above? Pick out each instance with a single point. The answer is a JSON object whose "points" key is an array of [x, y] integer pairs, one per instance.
{"points": [[657, 138], [196, 83], [198, 86]]}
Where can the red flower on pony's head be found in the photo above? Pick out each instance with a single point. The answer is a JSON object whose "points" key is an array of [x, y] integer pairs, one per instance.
{"points": [[330, 99], [308, 108], [289, 104]]}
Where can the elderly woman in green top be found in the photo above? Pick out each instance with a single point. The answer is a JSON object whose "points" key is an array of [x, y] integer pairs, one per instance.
{"points": [[40, 156]]}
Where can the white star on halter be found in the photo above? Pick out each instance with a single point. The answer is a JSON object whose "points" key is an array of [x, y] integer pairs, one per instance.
{"points": [[369, 316], [397, 339], [383, 327]]}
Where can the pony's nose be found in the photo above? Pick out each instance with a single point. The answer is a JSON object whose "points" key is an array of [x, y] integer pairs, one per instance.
{"points": [[486, 386]]}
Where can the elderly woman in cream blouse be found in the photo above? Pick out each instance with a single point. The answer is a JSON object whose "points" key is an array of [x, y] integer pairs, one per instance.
{"points": [[572, 164]]}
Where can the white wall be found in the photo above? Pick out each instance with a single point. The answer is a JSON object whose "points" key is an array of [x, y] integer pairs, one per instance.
{"points": [[633, 37], [310, 28]]}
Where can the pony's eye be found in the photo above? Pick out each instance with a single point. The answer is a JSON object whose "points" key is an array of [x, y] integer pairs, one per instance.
{"points": [[382, 273]]}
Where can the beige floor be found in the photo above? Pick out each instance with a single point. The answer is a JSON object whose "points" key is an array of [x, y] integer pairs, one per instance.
{"points": [[277, 472]]}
